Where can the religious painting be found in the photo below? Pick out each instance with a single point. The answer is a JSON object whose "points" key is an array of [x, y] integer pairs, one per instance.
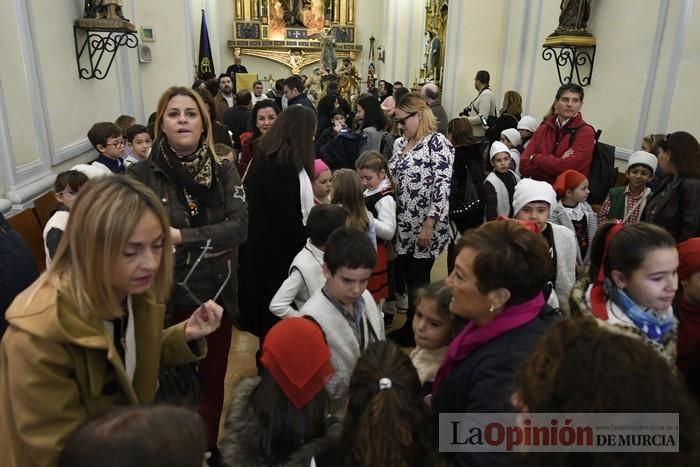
{"points": [[286, 15], [247, 30]]}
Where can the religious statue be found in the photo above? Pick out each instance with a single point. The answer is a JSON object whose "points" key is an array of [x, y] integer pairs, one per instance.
{"points": [[107, 9], [328, 57], [573, 24], [348, 79], [313, 83], [293, 11]]}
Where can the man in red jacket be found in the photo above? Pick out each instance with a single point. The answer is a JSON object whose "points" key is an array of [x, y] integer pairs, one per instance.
{"points": [[551, 151]]}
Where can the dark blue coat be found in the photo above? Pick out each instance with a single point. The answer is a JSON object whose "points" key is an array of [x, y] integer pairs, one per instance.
{"points": [[483, 382]]}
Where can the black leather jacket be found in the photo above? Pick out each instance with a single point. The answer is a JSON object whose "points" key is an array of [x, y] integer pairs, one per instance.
{"points": [[675, 206], [227, 228]]}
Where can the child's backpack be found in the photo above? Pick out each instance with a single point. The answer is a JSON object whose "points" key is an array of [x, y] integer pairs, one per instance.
{"points": [[603, 174], [343, 150]]}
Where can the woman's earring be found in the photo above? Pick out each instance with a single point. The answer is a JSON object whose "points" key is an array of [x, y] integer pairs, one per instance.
{"points": [[492, 309]]}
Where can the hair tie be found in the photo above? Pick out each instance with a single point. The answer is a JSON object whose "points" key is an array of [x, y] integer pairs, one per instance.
{"points": [[598, 290], [384, 383]]}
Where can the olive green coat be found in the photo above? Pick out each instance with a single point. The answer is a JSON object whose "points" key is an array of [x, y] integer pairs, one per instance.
{"points": [[58, 369]]}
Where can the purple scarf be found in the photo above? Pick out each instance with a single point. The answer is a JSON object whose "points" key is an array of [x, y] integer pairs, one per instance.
{"points": [[472, 336]]}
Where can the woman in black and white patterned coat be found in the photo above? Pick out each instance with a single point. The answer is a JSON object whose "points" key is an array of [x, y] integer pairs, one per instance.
{"points": [[421, 166]]}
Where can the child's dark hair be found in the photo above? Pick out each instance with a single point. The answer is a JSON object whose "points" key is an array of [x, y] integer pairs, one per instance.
{"points": [[222, 149], [73, 179], [628, 247], [135, 130], [286, 427], [439, 293], [630, 376], [323, 220], [156, 436], [386, 425], [338, 111], [351, 248], [102, 131]]}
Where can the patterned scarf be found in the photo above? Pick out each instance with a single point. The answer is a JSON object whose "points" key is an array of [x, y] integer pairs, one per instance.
{"points": [[654, 327], [197, 165]]}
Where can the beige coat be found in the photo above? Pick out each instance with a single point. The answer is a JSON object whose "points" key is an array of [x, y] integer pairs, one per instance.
{"points": [[58, 369]]}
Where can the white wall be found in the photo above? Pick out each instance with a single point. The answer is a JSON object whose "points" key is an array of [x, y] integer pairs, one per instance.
{"points": [[644, 79], [46, 110], [646, 63]]}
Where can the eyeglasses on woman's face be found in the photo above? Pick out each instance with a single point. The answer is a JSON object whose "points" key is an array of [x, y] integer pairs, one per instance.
{"points": [[402, 121]]}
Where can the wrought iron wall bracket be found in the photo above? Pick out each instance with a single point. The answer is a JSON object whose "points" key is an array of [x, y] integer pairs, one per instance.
{"points": [[95, 49], [572, 60]]}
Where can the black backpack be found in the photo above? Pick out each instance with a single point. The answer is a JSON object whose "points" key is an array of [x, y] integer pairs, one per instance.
{"points": [[603, 174], [343, 150]]}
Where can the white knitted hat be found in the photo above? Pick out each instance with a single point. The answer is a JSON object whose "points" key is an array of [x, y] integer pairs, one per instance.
{"points": [[528, 190], [528, 122], [91, 171], [513, 136], [497, 147], [643, 158]]}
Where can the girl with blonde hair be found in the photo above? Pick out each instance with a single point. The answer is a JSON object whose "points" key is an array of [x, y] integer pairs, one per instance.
{"points": [[347, 191], [88, 334]]}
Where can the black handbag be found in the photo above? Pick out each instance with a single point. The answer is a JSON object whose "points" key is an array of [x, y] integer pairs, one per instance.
{"points": [[470, 211], [178, 385]]}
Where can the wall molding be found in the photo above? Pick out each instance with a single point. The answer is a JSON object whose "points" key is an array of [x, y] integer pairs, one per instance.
{"points": [[522, 49], [535, 47], [37, 94], [72, 150], [452, 107], [7, 160], [504, 50], [189, 32], [662, 17], [674, 66]]}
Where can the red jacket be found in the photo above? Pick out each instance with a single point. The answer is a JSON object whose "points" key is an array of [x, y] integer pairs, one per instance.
{"points": [[542, 160]]}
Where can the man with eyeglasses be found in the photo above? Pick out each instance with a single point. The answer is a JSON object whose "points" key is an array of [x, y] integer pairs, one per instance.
{"points": [[107, 138], [562, 142]]}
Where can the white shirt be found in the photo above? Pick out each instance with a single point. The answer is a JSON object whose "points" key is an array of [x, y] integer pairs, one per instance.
{"points": [[295, 288], [385, 223]]}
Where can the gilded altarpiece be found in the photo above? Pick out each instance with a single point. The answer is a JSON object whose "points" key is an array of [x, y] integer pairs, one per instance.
{"points": [[288, 31]]}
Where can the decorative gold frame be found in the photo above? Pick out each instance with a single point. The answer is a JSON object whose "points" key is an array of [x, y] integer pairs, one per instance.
{"points": [[254, 32]]}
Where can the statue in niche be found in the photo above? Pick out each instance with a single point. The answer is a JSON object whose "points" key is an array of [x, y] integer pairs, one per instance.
{"points": [[328, 57], [573, 24], [293, 11]]}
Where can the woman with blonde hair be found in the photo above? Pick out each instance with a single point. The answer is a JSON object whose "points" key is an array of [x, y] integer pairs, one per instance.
{"points": [[421, 167], [509, 115], [87, 335], [206, 205]]}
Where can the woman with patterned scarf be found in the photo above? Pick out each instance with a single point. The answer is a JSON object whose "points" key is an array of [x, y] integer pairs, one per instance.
{"points": [[632, 285], [208, 214]]}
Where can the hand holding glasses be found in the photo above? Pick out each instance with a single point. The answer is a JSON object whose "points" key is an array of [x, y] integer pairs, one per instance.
{"points": [[184, 282]]}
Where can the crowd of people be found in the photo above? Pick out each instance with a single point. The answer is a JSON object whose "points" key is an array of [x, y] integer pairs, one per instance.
{"points": [[316, 228]]}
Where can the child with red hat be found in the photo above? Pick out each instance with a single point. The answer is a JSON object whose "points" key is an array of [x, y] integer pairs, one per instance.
{"points": [[687, 309], [281, 417], [573, 212]]}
